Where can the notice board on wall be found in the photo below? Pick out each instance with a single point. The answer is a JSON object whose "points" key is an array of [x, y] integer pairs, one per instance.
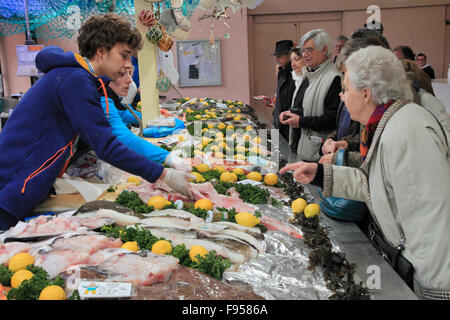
{"points": [[199, 63]]}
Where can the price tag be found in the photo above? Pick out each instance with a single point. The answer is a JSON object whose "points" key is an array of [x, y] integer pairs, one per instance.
{"points": [[98, 289]]}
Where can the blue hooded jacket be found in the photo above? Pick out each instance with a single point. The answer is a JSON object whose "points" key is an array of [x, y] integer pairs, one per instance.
{"points": [[37, 139]]}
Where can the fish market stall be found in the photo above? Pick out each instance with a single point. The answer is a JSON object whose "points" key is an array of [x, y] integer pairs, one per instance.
{"points": [[250, 234]]}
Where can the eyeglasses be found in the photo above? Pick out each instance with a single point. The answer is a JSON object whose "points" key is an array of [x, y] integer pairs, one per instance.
{"points": [[307, 50]]}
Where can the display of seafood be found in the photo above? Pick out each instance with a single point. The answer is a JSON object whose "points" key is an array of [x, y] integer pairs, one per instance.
{"points": [[233, 241]]}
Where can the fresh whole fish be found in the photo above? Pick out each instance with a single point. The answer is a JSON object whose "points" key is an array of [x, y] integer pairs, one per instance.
{"points": [[57, 261], [89, 243], [8, 250]]}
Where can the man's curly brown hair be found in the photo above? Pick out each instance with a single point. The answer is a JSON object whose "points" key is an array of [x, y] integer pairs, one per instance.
{"points": [[105, 31]]}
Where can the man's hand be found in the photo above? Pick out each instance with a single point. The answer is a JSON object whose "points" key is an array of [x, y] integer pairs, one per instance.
{"points": [[178, 181], [304, 172], [326, 147], [289, 118], [174, 161], [326, 158]]}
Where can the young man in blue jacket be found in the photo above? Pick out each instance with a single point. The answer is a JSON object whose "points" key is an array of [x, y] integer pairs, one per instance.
{"points": [[63, 105]]}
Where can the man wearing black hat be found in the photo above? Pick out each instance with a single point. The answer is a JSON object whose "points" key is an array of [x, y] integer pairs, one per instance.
{"points": [[285, 87]]}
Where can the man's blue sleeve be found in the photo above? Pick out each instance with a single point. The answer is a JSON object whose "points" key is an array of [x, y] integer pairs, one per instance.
{"points": [[128, 118], [124, 135]]}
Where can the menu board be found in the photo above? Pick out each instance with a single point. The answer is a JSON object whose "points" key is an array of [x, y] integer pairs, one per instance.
{"points": [[199, 63], [26, 57]]}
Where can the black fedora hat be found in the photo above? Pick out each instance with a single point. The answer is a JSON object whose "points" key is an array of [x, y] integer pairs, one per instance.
{"points": [[283, 47]]}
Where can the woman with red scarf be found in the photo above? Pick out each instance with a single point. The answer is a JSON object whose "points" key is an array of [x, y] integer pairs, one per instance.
{"points": [[405, 175]]}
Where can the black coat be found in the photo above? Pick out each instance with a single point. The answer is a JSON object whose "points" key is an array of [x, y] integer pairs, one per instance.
{"points": [[285, 91]]}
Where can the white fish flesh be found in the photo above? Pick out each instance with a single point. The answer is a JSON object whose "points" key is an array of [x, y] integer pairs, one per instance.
{"points": [[254, 232], [136, 268], [166, 222], [8, 250], [89, 243], [120, 219], [57, 261], [45, 225], [181, 214], [104, 254]]}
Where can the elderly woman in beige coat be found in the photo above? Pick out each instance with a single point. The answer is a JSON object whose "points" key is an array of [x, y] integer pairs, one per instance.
{"points": [[405, 175]]}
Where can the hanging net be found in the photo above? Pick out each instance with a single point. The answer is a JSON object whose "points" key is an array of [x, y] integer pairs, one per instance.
{"points": [[52, 19]]}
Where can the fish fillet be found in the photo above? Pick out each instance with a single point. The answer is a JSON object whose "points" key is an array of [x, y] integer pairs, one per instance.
{"points": [[57, 261], [277, 225], [88, 243], [8, 250], [143, 270]]}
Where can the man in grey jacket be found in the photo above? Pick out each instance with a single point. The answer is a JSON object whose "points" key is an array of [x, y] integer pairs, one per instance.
{"points": [[315, 106]]}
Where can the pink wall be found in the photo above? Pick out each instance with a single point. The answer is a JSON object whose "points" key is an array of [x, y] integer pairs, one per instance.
{"points": [[12, 84], [234, 55]]}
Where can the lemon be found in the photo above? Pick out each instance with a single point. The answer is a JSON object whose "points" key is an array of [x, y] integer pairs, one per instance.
{"points": [[256, 176], [238, 171], [204, 130], [210, 125], [201, 100], [246, 219], [221, 169], [53, 293], [20, 261], [198, 177], [192, 102], [238, 110], [312, 210], [246, 137], [239, 157], [202, 168], [187, 98], [135, 180], [158, 202], [180, 138], [162, 247], [228, 177], [20, 276], [204, 204], [237, 118], [230, 127], [240, 103], [131, 245], [298, 205], [248, 128], [271, 179], [231, 106], [221, 126], [197, 250]]}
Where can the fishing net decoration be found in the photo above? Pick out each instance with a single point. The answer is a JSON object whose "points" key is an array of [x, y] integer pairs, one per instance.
{"points": [[52, 19]]}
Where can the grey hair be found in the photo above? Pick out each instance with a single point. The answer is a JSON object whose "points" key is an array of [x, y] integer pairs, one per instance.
{"points": [[379, 70], [321, 39], [342, 37]]}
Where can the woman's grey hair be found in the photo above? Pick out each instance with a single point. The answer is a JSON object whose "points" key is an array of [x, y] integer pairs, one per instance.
{"points": [[321, 39], [379, 70]]}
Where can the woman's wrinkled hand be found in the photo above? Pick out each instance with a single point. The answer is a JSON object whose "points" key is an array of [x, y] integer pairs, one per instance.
{"points": [[304, 172]]}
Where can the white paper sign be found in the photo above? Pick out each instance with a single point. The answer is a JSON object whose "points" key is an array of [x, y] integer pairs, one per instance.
{"points": [[95, 289], [26, 56]]}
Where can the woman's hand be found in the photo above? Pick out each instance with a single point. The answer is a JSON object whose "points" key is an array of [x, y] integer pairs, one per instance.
{"points": [[304, 172], [331, 146], [326, 158]]}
